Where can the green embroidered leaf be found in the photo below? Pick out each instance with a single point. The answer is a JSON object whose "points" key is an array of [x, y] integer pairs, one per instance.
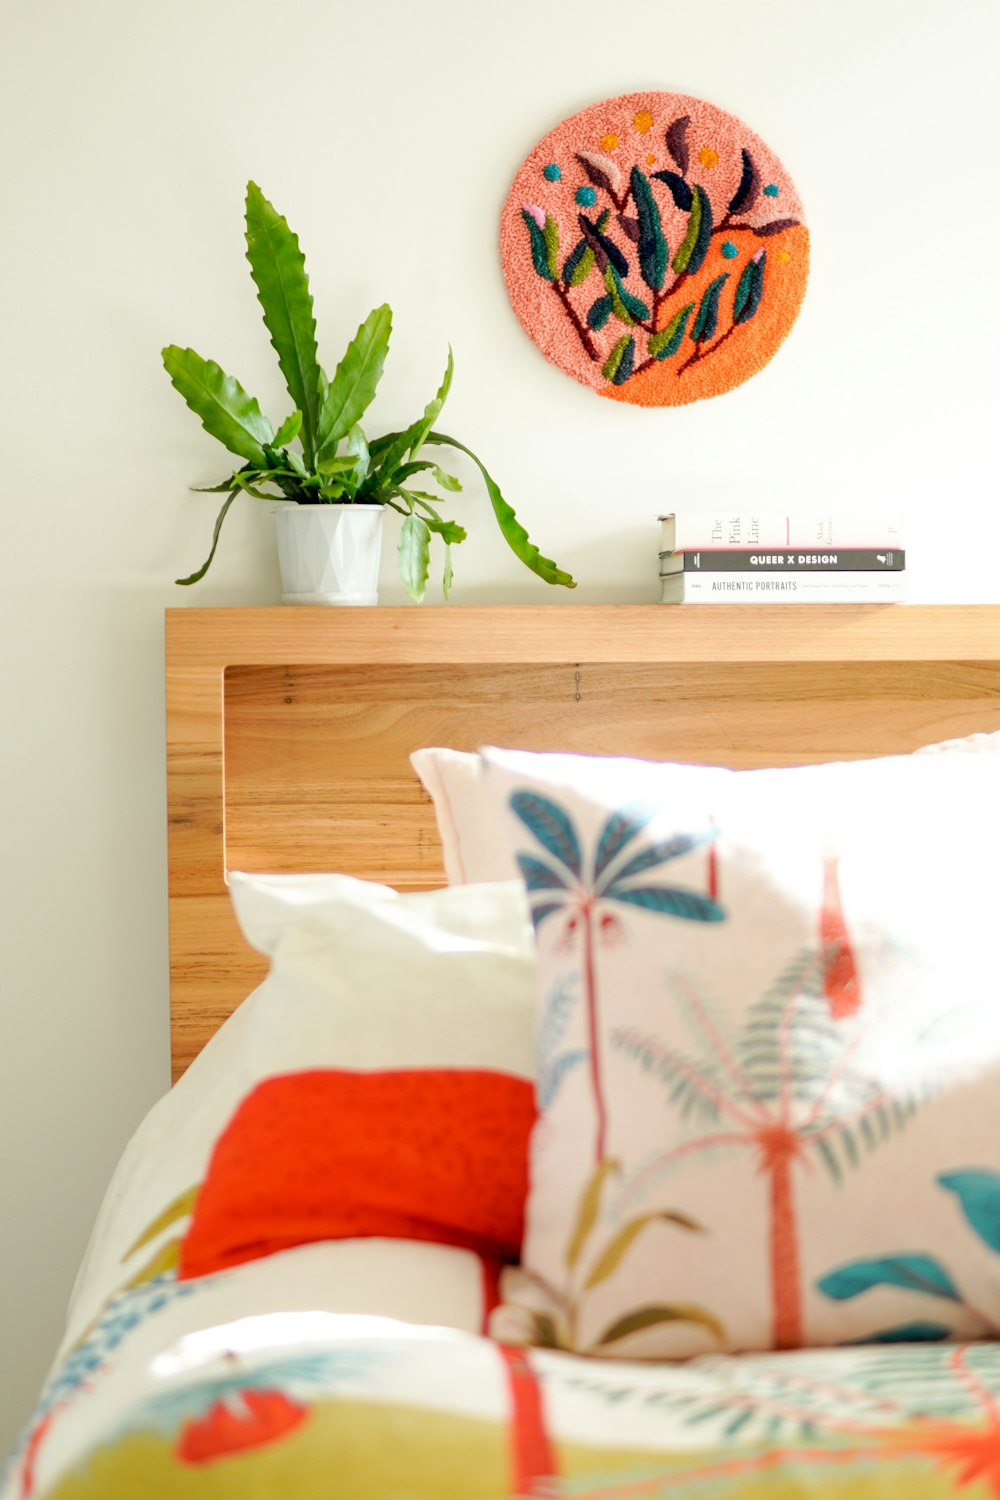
{"points": [[355, 381], [694, 246], [664, 1312], [614, 1254], [590, 1204], [550, 234], [917, 1273], [749, 288], [669, 339], [599, 312], [539, 248], [620, 361], [653, 252], [626, 308], [579, 263], [278, 268], [414, 556], [511, 529], [979, 1194], [226, 411], [707, 319]]}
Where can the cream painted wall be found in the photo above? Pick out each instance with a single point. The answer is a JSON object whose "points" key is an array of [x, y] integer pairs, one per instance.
{"points": [[388, 132]]}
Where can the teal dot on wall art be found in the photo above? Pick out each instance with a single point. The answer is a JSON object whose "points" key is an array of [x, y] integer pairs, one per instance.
{"points": [[729, 250], [586, 197], [771, 191], [552, 173]]}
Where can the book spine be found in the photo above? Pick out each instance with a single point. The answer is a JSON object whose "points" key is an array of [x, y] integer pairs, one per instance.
{"points": [[752, 559], [783, 588], [682, 532]]}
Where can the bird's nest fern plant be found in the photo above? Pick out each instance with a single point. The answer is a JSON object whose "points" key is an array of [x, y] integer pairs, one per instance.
{"points": [[319, 455]]}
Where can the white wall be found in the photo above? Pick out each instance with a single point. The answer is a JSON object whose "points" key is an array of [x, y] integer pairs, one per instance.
{"points": [[388, 133]]}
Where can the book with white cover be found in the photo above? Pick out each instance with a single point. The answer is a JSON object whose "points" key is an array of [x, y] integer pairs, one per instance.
{"points": [[680, 531], [767, 587]]}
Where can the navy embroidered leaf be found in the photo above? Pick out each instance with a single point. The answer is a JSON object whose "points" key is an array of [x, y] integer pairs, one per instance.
{"points": [[979, 1194], [539, 876], [621, 361], [550, 826], [707, 320], [669, 339], [775, 227], [677, 145], [653, 253], [908, 1333], [599, 312], [666, 849], [750, 288], [539, 248], [915, 1273], [620, 829], [745, 195], [668, 901], [600, 242], [680, 190], [694, 246]]}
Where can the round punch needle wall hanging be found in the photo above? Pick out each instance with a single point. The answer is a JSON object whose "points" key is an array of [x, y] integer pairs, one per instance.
{"points": [[655, 249]]}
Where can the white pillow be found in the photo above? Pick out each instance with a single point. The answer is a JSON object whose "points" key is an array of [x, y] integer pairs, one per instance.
{"points": [[361, 978], [472, 836]]}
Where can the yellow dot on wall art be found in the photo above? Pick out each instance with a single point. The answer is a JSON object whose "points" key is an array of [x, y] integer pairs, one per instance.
{"points": [[652, 275]]}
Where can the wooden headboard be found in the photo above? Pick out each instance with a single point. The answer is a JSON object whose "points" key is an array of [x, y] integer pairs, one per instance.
{"points": [[289, 729]]}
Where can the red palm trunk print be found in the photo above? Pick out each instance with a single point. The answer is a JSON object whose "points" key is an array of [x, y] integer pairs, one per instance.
{"points": [[590, 987], [841, 984], [532, 1459], [781, 1148]]}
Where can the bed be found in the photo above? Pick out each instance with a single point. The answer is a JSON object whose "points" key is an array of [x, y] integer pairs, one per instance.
{"points": [[438, 1141]]}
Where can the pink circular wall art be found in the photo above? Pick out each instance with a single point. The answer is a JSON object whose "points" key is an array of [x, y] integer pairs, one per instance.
{"points": [[655, 249]]}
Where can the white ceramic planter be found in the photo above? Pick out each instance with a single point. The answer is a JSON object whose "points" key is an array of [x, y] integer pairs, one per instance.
{"points": [[329, 554]]}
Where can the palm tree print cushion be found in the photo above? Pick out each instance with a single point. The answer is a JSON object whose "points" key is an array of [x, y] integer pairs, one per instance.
{"points": [[768, 1053]]}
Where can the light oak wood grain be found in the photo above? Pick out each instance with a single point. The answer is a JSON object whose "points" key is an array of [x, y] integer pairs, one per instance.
{"points": [[289, 730]]}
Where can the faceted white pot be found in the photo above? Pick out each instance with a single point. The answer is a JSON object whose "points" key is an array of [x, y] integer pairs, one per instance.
{"points": [[329, 554]]}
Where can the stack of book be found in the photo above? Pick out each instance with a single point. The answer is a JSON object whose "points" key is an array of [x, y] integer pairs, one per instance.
{"points": [[767, 558]]}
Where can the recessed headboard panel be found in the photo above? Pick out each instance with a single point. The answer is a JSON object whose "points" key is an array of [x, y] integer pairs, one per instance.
{"points": [[289, 729]]}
